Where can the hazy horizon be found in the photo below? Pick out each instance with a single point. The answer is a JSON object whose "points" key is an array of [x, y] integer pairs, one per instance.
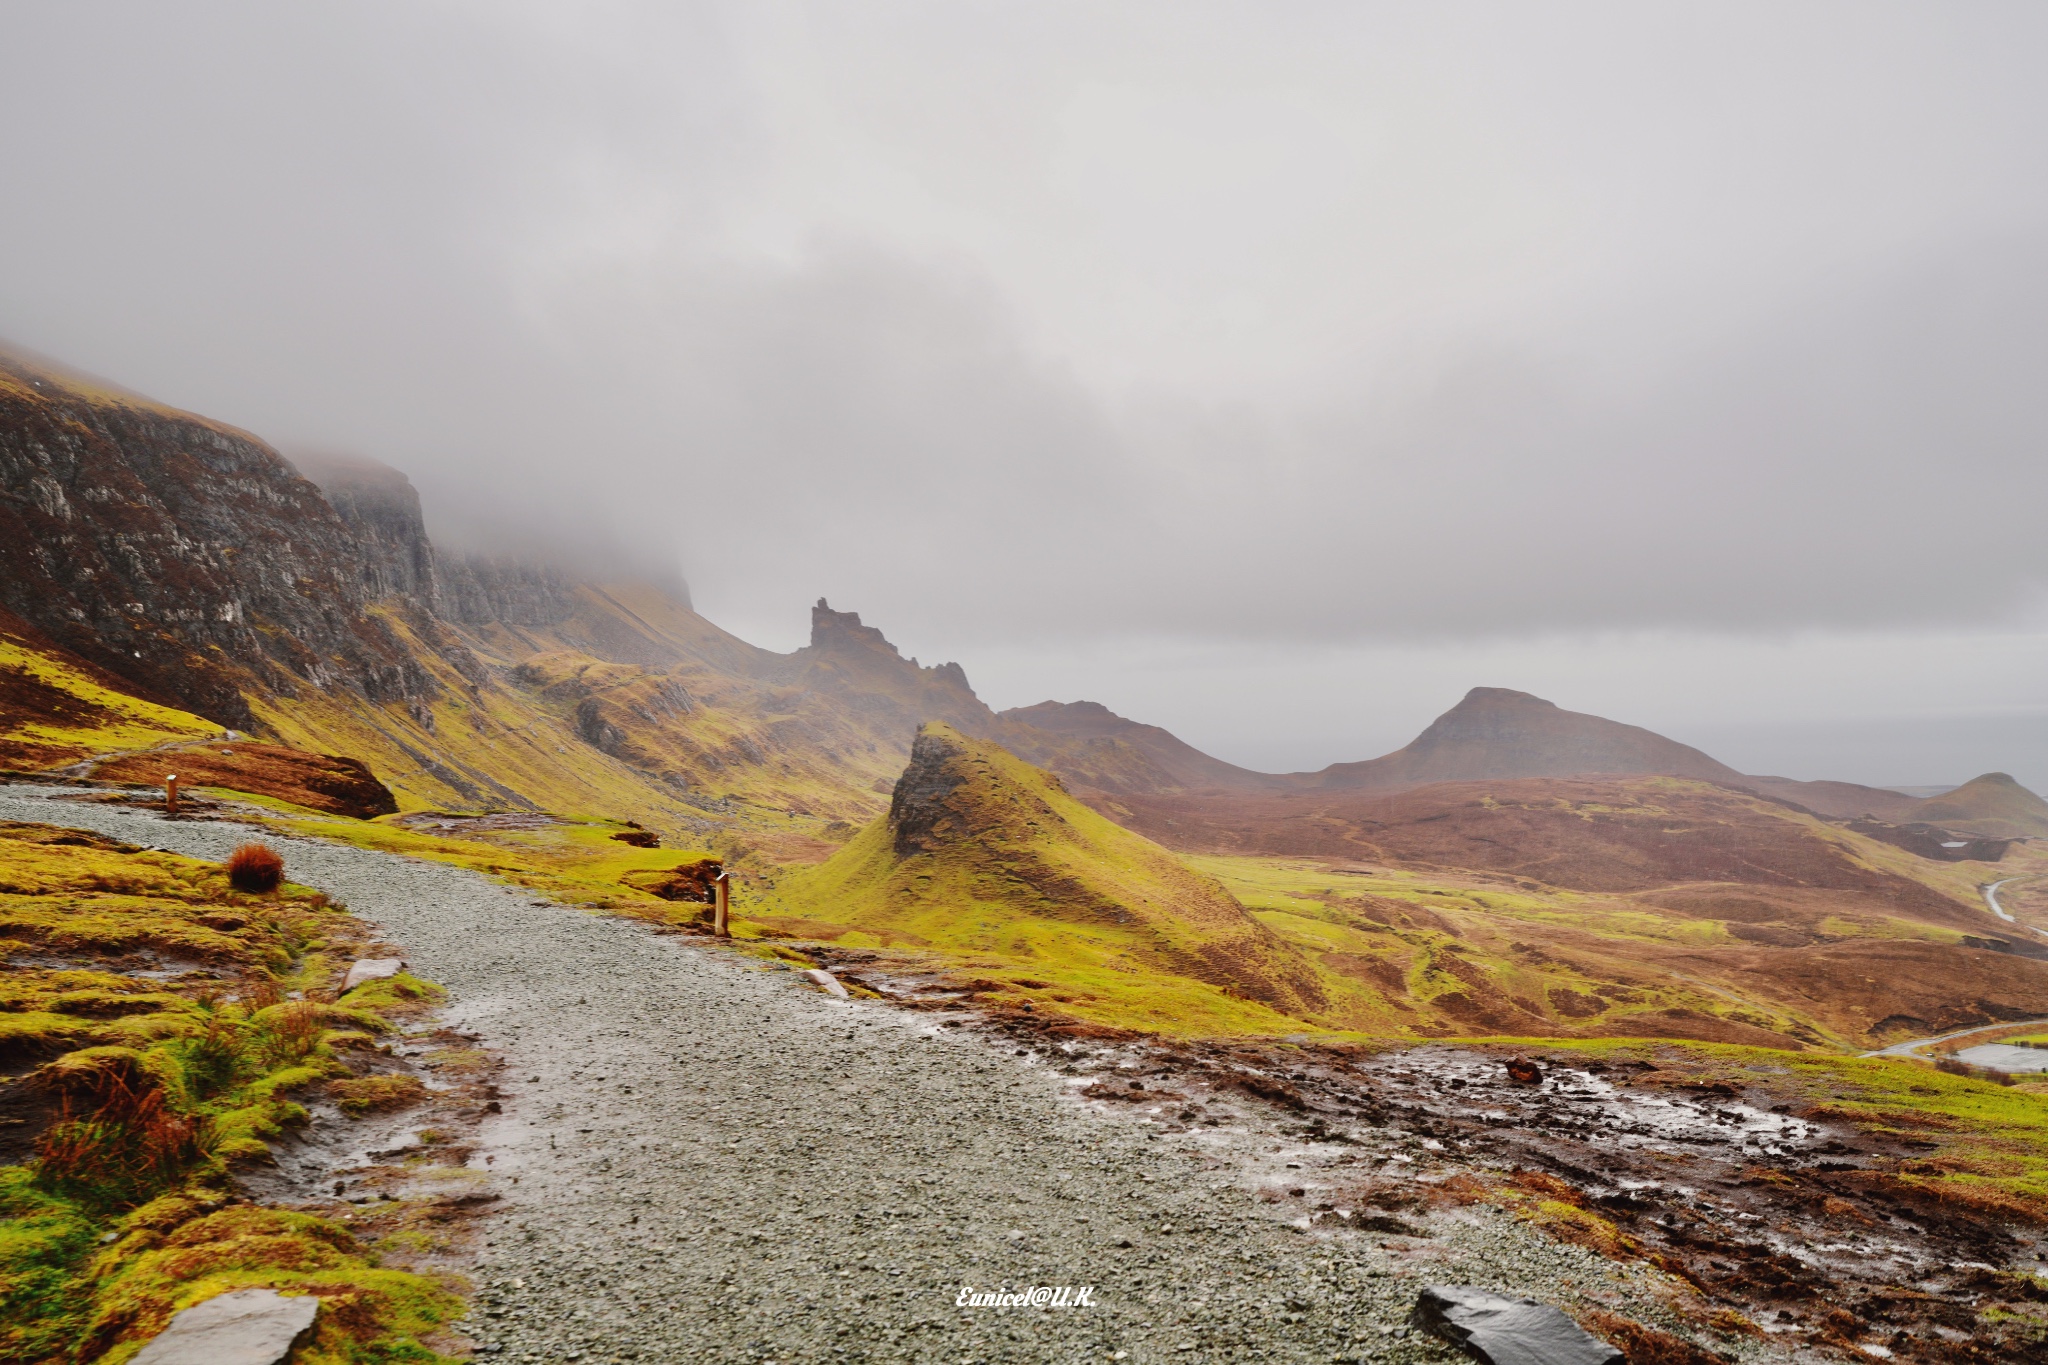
{"points": [[1270, 376]]}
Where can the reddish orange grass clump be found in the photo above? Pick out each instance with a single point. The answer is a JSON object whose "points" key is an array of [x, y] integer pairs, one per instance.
{"points": [[255, 868]]}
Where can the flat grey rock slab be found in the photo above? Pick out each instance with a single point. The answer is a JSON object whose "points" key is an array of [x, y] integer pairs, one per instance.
{"points": [[371, 969], [832, 986], [1504, 1331], [246, 1327]]}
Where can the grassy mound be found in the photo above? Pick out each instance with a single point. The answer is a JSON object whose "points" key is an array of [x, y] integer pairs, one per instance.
{"points": [[1993, 804], [328, 783], [983, 856]]}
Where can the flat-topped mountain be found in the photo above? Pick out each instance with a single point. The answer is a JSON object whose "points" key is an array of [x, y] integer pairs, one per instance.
{"points": [[1497, 733]]}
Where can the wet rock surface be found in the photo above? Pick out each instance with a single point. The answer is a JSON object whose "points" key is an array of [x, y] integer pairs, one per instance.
{"points": [[705, 1157], [1505, 1331], [243, 1327]]}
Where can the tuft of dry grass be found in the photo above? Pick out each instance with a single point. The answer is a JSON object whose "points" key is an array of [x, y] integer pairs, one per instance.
{"points": [[255, 868], [117, 1139]]}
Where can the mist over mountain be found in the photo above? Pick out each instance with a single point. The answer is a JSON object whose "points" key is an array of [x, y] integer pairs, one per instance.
{"points": [[1173, 347]]}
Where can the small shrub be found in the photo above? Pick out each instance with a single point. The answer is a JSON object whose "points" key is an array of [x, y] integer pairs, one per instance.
{"points": [[216, 1057], [255, 868], [261, 993]]}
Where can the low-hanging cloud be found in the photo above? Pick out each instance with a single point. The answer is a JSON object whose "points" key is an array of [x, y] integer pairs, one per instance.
{"points": [[971, 322]]}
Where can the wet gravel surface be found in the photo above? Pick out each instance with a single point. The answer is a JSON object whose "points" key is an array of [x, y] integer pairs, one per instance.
{"points": [[703, 1157]]}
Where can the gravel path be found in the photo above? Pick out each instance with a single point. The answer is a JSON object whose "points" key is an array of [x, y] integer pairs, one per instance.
{"points": [[706, 1159]]}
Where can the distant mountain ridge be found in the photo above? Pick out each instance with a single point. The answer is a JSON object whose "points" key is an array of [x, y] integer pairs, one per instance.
{"points": [[193, 566], [1492, 734], [1087, 743]]}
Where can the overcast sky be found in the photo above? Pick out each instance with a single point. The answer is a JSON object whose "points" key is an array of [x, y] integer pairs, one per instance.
{"points": [[1270, 371]]}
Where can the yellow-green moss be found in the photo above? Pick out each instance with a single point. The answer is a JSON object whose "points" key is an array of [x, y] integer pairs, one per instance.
{"points": [[118, 1225]]}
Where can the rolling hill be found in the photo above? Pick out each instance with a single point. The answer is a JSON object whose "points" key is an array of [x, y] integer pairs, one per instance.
{"points": [[1497, 733], [1516, 868], [1993, 804]]}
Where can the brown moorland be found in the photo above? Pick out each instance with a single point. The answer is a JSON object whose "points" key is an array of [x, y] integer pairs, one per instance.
{"points": [[1642, 882], [323, 782]]}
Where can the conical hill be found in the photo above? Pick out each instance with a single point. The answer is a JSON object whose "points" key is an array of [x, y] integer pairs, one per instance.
{"points": [[981, 853], [1992, 804]]}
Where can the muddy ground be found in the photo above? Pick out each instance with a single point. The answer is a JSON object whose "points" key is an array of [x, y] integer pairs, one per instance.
{"points": [[1794, 1223], [1782, 1221]]}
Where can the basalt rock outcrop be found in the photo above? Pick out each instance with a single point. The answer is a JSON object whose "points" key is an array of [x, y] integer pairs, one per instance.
{"points": [[382, 507], [979, 848], [184, 557]]}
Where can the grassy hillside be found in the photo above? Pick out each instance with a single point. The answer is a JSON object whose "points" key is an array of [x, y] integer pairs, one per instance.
{"points": [[985, 858], [134, 1091], [1993, 804], [55, 709]]}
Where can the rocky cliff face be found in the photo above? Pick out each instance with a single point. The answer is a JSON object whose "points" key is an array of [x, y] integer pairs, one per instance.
{"points": [[857, 664], [480, 590], [184, 557], [381, 506]]}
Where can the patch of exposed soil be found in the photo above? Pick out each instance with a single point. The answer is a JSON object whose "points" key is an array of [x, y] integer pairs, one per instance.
{"points": [[412, 1176]]}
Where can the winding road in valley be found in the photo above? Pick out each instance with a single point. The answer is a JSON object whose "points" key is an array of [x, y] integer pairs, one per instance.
{"points": [[703, 1158], [1989, 890]]}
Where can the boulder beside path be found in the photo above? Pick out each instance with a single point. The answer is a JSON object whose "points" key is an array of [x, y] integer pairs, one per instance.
{"points": [[1504, 1331], [830, 982], [246, 1327], [371, 969]]}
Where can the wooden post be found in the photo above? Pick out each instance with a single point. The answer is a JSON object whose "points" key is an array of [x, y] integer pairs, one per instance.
{"points": [[171, 794], [721, 900]]}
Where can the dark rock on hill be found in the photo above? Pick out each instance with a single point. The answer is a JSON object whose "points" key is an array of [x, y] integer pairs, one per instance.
{"points": [[980, 847], [858, 665], [381, 506], [1497, 733]]}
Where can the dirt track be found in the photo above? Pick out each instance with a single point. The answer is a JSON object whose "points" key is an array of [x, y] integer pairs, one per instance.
{"points": [[704, 1158]]}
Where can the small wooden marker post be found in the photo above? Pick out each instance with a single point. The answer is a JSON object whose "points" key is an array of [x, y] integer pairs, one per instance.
{"points": [[721, 903], [170, 794]]}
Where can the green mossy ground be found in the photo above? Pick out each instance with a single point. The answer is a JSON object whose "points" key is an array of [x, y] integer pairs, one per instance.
{"points": [[52, 712], [150, 1088]]}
